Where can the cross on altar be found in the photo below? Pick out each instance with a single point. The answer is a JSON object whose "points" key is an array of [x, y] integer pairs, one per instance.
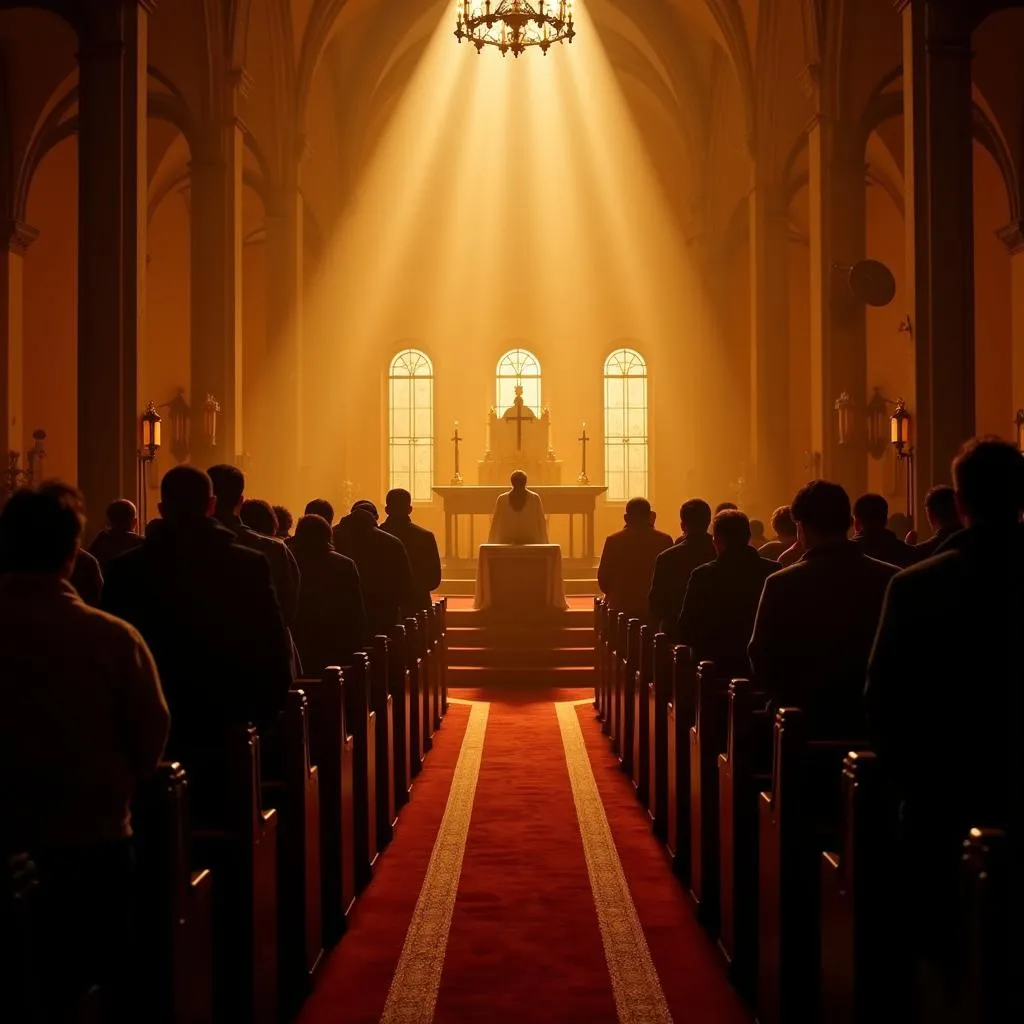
{"points": [[457, 440], [583, 439], [519, 417]]}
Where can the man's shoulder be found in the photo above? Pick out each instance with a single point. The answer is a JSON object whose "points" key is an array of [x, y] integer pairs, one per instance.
{"points": [[108, 630], [931, 572]]}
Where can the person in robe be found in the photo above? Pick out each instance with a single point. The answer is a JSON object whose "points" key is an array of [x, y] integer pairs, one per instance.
{"points": [[518, 515]]}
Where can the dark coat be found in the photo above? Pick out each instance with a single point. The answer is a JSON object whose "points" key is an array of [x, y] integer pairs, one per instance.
{"points": [[885, 546], [672, 570], [627, 566], [207, 608], [813, 634], [931, 546], [775, 549], [331, 622], [110, 543], [87, 578], [720, 607], [384, 572], [424, 558], [944, 699], [284, 570]]}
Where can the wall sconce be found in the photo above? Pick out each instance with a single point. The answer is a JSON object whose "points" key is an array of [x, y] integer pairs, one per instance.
{"points": [[845, 416], [150, 423], [211, 409], [1019, 421], [899, 435]]}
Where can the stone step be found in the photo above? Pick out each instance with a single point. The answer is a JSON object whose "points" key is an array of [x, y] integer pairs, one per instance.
{"points": [[523, 658], [512, 677], [511, 637], [467, 588], [579, 617]]}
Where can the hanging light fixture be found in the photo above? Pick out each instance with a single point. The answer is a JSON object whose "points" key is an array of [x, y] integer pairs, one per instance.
{"points": [[513, 25]]}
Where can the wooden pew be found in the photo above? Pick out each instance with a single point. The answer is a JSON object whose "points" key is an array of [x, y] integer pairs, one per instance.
{"points": [[679, 719], [383, 706], [598, 657], [641, 769], [659, 699], [175, 906], [992, 990], [856, 911], [332, 748], [398, 685], [707, 741], [618, 680], [292, 785], [744, 770], [426, 680], [20, 975], [242, 854], [631, 664], [362, 720], [443, 603], [414, 663], [797, 819], [607, 655], [437, 649]]}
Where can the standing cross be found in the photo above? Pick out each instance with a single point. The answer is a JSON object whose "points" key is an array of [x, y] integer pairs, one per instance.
{"points": [[456, 439], [583, 439], [519, 417]]}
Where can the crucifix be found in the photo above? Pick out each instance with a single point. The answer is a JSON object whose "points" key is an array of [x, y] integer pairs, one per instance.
{"points": [[457, 440], [583, 439], [519, 417]]}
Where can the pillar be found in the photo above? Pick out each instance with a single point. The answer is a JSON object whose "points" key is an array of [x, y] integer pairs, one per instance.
{"points": [[939, 174], [216, 239], [282, 392], [838, 320], [112, 187], [769, 346], [1012, 236], [17, 237]]}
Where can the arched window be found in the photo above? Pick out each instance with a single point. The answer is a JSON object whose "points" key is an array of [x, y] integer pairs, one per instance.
{"points": [[518, 368], [411, 424], [625, 425]]}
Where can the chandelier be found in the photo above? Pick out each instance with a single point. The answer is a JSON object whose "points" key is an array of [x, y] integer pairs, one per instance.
{"points": [[514, 24]]}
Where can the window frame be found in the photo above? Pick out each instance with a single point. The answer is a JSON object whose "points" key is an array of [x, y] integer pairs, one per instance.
{"points": [[417, 366], [518, 378], [622, 365]]}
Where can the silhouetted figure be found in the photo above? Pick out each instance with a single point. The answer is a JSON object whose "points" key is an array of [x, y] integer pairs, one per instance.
{"points": [[82, 725], [722, 598], [321, 507], [258, 515], [726, 506], [121, 534], [871, 532], [518, 516], [331, 624], [673, 566], [385, 575], [945, 683], [944, 517], [420, 546], [628, 559], [207, 607], [757, 537], [285, 522], [229, 488], [785, 534], [87, 578], [817, 618]]}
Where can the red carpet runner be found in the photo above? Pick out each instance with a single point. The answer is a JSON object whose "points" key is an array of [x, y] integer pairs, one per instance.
{"points": [[527, 941]]}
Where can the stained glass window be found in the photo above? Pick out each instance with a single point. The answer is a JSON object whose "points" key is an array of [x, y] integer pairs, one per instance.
{"points": [[625, 425], [518, 368], [411, 424]]}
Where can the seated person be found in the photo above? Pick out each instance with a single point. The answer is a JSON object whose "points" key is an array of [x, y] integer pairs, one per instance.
{"points": [[87, 578], [872, 533], [672, 568], [121, 534], [331, 623], [258, 515], [385, 576], [83, 724], [285, 521], [518, 515], [757, 537], [628, 560], [208, 609], [722, 598], [944, 517], [785, 534], [817, 618], [420, 546]]}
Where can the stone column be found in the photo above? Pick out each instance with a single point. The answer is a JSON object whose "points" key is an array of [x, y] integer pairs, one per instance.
{"points": [[17, 237], [838, 320], [216, 351], [285, 453], [939, 174], [1012, 236], [112, 193], [769, 345]]}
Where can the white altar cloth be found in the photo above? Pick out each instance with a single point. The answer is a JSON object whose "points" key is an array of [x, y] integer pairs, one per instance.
{"points": [[520, 578]]}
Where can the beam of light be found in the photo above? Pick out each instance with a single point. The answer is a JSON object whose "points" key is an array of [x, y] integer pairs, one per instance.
{"points": [[506, 201]]}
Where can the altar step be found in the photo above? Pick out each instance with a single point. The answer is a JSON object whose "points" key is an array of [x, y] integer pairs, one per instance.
{"points": [[467, 587], [522, 657], [463, 614], [512, 677], [509, 637]]}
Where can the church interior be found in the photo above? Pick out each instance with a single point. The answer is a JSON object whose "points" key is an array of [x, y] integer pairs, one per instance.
{"points": [[636, 249]]}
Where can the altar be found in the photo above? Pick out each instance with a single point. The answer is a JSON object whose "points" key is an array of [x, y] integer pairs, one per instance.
{"points": [[520, 580]]}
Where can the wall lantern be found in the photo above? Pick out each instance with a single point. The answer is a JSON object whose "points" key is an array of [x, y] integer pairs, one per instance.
{"points": [[899, 428], [211, 409], [150, 433], [845, 414]]}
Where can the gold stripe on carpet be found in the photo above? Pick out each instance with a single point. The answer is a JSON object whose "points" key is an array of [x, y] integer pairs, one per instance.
{"points": [[635, 984], [414, 987]]}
